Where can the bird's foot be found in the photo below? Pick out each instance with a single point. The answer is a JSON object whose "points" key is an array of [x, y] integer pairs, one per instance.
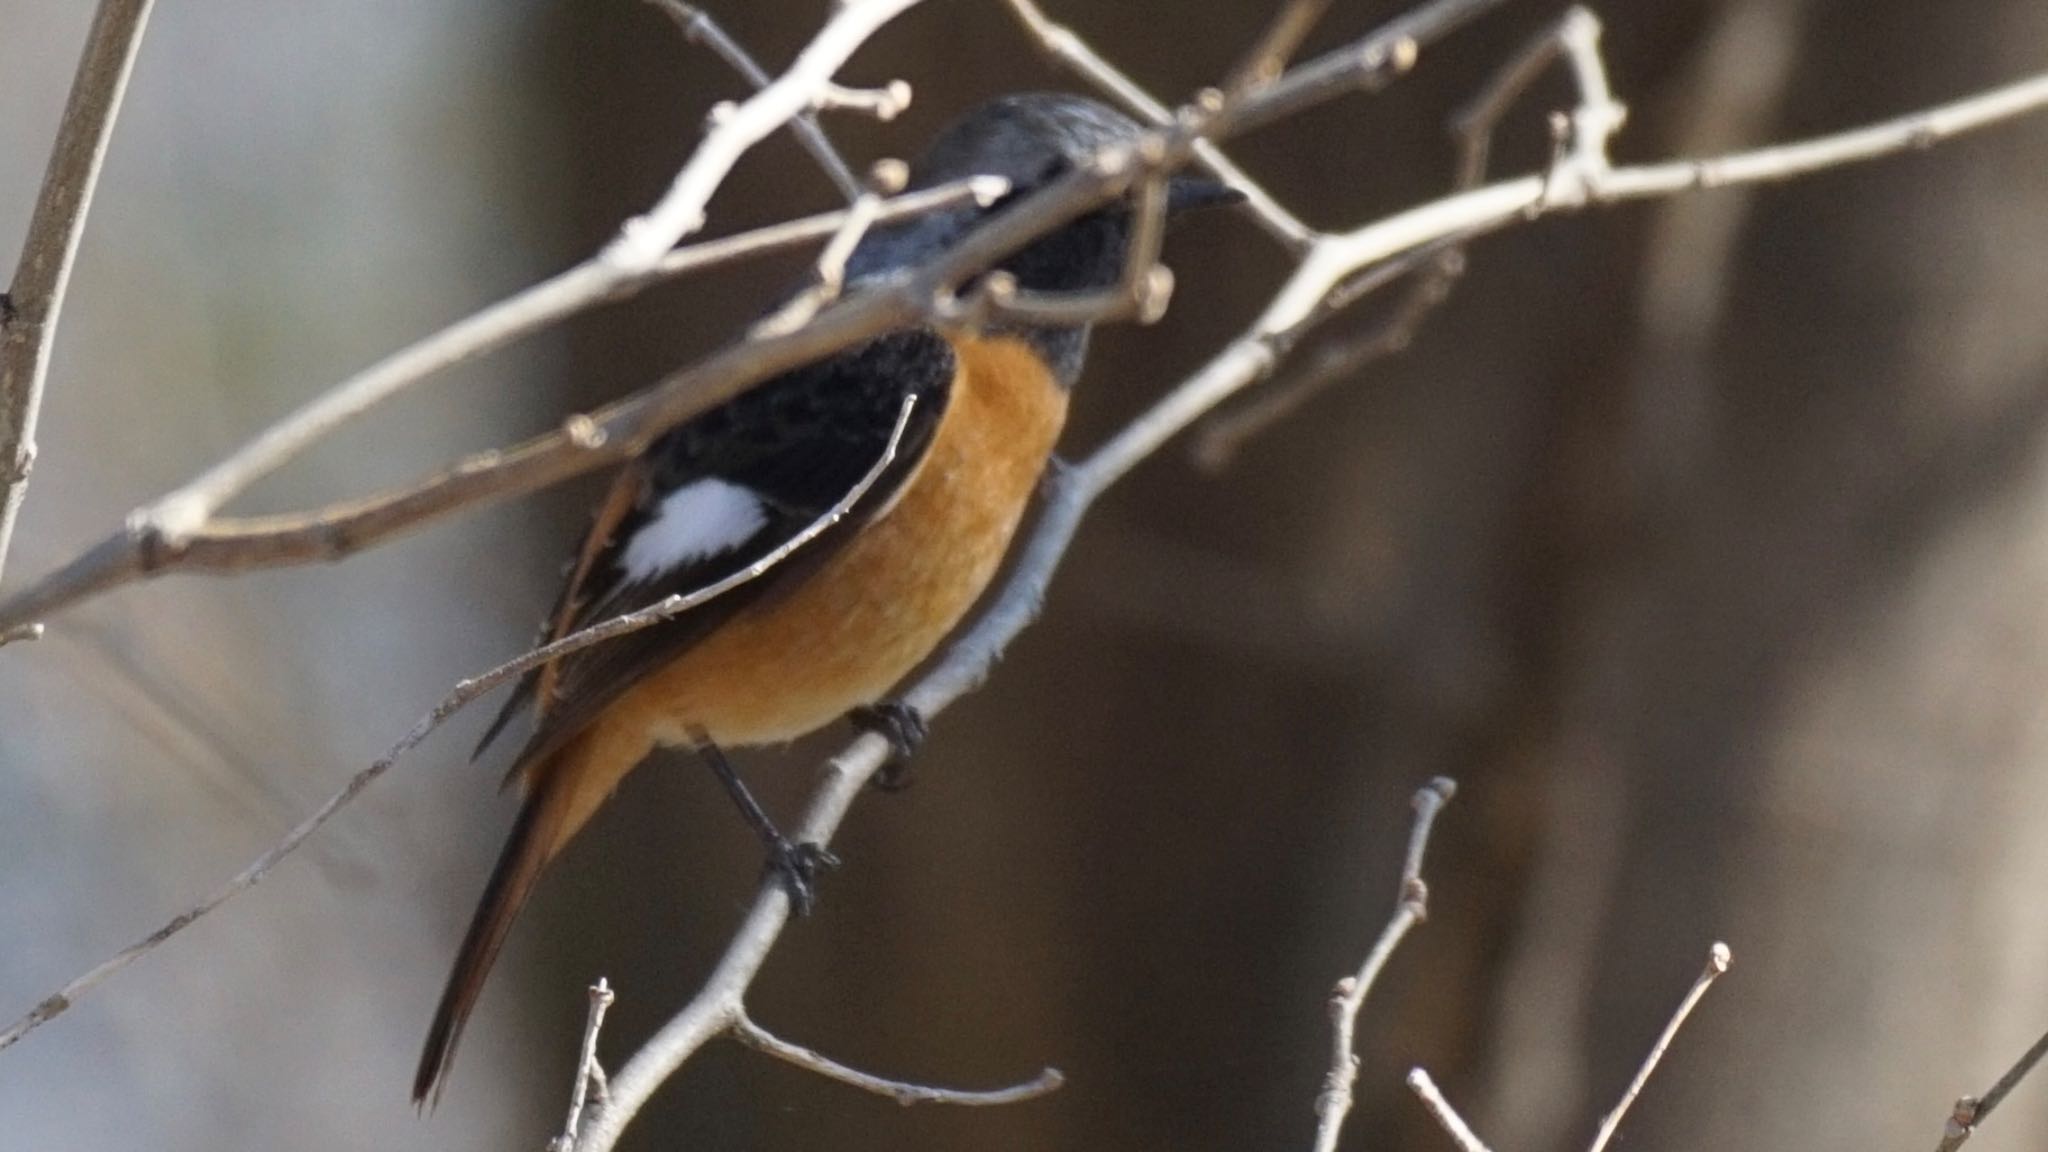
{"points": [[797, 867], [903, 727]]}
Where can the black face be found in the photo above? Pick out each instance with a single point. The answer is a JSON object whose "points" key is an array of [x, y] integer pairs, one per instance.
{"points": [[1032, 139]]}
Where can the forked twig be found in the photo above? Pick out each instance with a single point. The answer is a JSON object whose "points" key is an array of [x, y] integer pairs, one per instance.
{"points": [[700, 28], [1473, 128], [1411, 907]]}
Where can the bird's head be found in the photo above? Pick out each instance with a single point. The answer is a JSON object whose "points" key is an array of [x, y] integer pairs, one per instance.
{"points": [[1030, 139]]}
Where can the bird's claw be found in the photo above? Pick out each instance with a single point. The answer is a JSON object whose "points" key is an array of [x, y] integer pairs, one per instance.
{"points": [[904, 727], [798, 866]]}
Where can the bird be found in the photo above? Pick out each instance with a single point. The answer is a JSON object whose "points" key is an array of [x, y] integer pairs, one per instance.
{"points": [[829, 628]]}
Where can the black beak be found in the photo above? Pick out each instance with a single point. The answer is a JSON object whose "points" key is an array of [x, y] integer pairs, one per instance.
{"points": [[1185, 193]]}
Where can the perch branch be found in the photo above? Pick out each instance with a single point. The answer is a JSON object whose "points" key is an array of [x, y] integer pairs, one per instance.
{"points": [[617, 432], [1411, 907], [30, 308], [1718, 959], [761, 1040], [1971, 1111]]}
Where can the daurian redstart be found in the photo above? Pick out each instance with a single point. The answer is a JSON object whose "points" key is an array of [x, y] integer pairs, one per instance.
{"points": [[831, 628]]}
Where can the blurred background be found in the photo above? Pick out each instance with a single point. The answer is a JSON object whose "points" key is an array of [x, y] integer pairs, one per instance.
{"points": [[1705, 543]]}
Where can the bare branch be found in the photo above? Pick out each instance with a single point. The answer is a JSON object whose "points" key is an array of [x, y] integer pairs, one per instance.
{"points": [[1446, 1116], [1971, 1111], [1140, 294], [887, 178], [1473, 127], [699, 28], [30, 308], [1411, 907], [760, 1039], [643, 240], [179, 532], [589, 1072], [1066, 48], [1718, 959], [1281, 40]]}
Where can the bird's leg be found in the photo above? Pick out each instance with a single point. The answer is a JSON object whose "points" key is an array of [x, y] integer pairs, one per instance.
{"points": [[796, 865], [900, 724]]}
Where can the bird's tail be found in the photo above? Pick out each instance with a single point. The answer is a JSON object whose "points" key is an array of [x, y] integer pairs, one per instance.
{"points": [[562, 794]]}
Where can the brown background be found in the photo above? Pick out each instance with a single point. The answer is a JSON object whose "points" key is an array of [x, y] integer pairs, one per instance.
{"points": [[1705, 543]]}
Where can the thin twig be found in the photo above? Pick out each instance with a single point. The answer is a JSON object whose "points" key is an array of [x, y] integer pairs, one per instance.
{"points": [[1281, 40], [30, 308], [521, 314], [760, 1039], [1141, 293], [589, 1072], [1473, 128], [1411, 907], [1718, 959], [642, 241], [1446, 1116], [830, 271], [885, 103], [1064, 47], [1217, 442], [464, 694], [699, 28], [1972, 1111]]}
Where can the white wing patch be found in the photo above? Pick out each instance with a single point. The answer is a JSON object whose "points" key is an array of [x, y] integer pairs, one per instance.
{"points": [[696, 522]]}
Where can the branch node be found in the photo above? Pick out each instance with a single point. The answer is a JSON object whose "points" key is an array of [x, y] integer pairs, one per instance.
{"points": [[986, 190], [25, 632], [889, 175], [583, 432], [24, 463], [884, 103]]}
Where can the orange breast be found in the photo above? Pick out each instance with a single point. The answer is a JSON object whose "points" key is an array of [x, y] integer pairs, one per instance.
{"points": [[889, 596]]}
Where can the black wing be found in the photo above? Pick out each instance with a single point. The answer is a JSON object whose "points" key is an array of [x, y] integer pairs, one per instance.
{"points": [[717, 496]]}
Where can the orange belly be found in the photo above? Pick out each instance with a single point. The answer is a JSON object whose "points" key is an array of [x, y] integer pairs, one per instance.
{"points": [[888, 598]]}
